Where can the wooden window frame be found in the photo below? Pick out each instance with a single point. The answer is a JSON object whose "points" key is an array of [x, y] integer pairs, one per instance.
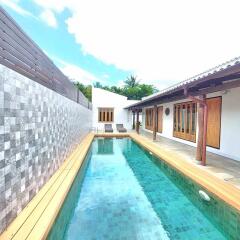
{"points": [[105, 115], [180, 114]]}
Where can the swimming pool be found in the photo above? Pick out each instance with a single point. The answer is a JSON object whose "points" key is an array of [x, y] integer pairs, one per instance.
{"points": [[124, 192]]}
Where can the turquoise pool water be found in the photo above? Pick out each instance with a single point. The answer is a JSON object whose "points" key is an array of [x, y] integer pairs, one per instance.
{"points": [[123, 192]]}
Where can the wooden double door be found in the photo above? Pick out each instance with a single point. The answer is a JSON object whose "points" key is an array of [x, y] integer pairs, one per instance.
{"points": [[185, 121], [150, 118]]}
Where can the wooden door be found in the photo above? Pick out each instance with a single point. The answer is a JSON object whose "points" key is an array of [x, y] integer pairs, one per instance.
{"points": [[214, 121], [160, 119], [149, 119]]}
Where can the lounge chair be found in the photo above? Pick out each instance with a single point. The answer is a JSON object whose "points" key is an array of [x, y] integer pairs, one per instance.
{"points": [[108, 128], [121, 128]]}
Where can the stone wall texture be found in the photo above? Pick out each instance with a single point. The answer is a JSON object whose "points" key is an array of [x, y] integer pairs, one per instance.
{"points": [[39, 128]]}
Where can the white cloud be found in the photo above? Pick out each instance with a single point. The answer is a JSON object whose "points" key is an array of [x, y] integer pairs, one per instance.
{"points": [[160, 41], [49, 18], [14, 5], [121, 84], [105, 76], [75, 73], [47, 15], [56, 5]]}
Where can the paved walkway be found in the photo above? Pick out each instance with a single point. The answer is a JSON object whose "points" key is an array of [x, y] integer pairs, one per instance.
{"points": [[222, 167]]}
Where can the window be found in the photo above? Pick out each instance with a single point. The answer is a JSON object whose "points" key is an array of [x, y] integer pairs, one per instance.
{"points": [[149, 119], [184, 125], [105, 115]]}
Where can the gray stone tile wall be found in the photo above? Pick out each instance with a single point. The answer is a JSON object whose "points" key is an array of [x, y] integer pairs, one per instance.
{"points": [[39, 128]]}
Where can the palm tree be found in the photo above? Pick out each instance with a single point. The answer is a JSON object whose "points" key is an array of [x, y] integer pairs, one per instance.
{"points": [[97, 85], [131, 82]]}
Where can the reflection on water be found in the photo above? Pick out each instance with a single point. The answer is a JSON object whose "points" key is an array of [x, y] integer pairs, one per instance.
{"points": [[105, 146]]}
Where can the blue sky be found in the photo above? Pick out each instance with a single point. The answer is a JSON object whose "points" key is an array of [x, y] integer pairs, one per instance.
{"points": [[161, 42], [61, 46]]}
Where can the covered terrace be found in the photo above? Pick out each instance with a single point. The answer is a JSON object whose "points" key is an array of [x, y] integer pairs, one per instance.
{"points": [[221, 78]]}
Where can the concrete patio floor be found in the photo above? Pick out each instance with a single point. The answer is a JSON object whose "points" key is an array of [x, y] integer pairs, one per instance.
{"points": [[222, 167]]}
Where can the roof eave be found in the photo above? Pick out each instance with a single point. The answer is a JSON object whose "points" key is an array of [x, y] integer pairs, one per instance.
{"points": [[229, 73]]}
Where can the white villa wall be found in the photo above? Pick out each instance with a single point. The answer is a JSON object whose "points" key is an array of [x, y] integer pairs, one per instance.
{"points": [[230, 124], [102, 98]]}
